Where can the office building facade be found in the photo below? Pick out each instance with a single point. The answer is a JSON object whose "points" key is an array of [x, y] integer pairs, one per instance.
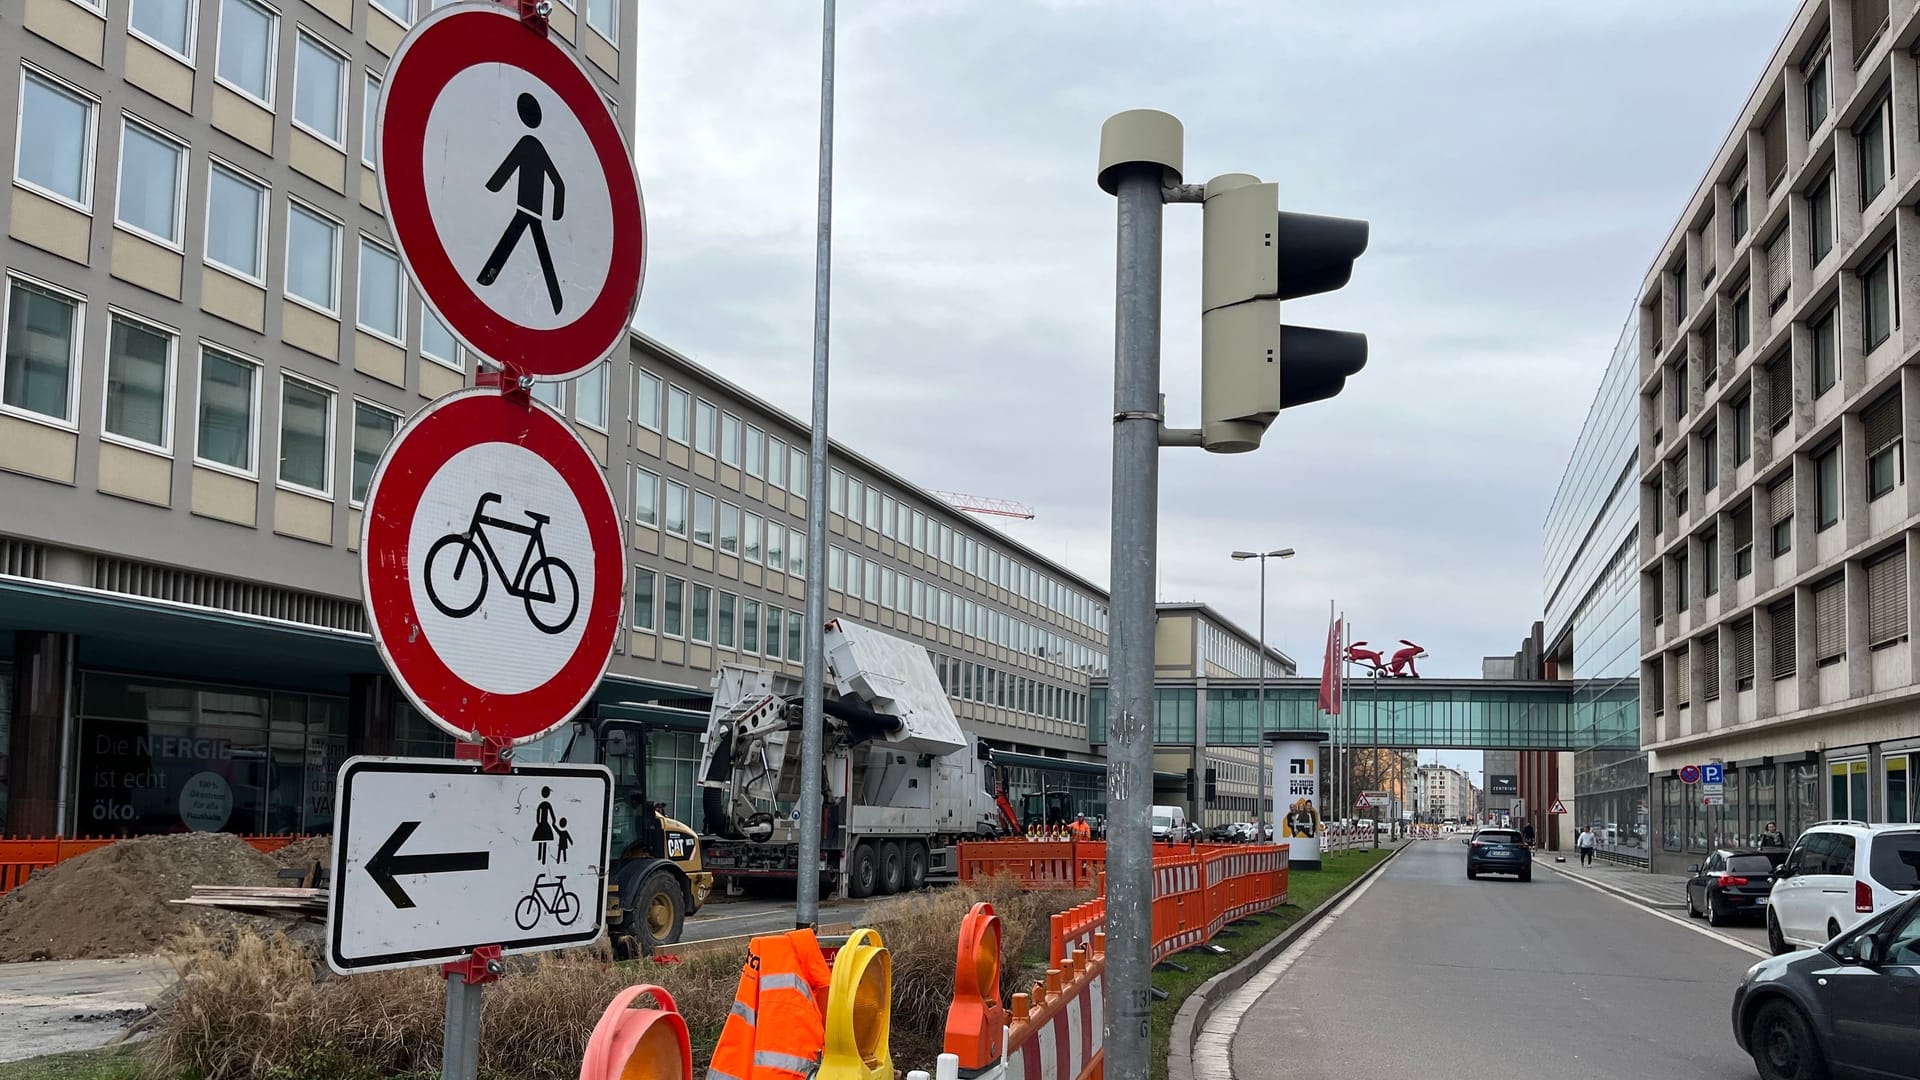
{"points": [[1776, 396]]}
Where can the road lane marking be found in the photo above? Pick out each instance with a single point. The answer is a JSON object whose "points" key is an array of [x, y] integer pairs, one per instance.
{"points": [[1725, 939], [1213, 1054]]}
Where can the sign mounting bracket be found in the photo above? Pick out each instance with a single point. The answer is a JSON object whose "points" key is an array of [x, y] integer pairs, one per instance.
{"points": [[534, 13]]}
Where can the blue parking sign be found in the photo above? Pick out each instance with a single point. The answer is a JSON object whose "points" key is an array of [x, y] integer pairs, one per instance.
{"points": [[1713, 773]]}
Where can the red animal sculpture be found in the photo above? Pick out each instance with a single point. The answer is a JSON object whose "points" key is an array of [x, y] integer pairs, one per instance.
{"points": [[1402, 663], [1358, 655]]}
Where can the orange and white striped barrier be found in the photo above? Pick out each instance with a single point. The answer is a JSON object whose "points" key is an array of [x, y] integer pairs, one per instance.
{"points": [[639, 1044]]}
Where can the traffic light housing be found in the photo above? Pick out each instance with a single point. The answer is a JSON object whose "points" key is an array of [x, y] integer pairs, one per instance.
{"points": [[1213, 785], [1255, 256]]}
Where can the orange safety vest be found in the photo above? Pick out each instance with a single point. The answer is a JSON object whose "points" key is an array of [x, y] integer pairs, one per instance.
{"points": [[1082, 831], [777, 1027]]}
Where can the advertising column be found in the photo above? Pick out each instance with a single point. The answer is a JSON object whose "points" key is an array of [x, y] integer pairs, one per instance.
{"points": [[1296, 794]]}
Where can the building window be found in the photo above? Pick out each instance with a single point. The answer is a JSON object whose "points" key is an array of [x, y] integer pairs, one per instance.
{"points": [[1743, 654], [1780, 390], [702, 628], [551, 393], [1847, 783], [306, 435], [1709, 562], [152, 177], [1816, 70], [1830, 620], [703, 518], [723, 620], [1826, 487], [750, 537], [672, 614], [436, 341], [1876, 157], [1869, 21], [382, 299], [1743, 540], [40, 375], [1742, 429], [373, 429], [1780, 496], [370, 120], [249, 34], [856, 500], [646, 498], [1779, 270], [1882, 423], [1706, 657], [228, 399], [643, 587], [837, 492], [54, 151], [676, 509], [771, 630], [1680, 584], [729, 440], [756, 451], [236, 223], [750, 626], [1903, 800], [1780, 621], [313, 257], [1709, 458], [704, 423], [776, 547], [679, 411], [729, 528], [1826, 353], [1743, 319], [401, 10], [604, 17], [796, 628], [590, 396], [646, 399], [139, 383], [1887, 598], [319, 90], [797, 471], [836, 570], [797, 554], [166, 23], [1883, 306], [1820, 215], [1739, 208]]}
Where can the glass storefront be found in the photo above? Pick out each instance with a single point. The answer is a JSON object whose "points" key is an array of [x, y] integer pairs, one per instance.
{"points": [[1903, 799], [6, 735]]}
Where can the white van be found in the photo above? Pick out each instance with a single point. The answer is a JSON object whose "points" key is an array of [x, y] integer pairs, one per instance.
{"points": [[1169, 821], [1838, 874]]}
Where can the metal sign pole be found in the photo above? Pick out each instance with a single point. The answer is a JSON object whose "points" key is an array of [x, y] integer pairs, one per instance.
{"points": [[812, 717]]}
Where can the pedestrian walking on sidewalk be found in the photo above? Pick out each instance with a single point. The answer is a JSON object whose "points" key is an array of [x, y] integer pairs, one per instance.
{"points": [[1772, 837], [1526, 833], [1586, 843]]}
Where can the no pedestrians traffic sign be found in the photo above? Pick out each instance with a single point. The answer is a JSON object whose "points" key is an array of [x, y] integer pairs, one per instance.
{"points": [[510, 190]]}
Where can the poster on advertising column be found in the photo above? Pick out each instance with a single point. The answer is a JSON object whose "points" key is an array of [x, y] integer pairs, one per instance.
{"points": [[1296, 790]]}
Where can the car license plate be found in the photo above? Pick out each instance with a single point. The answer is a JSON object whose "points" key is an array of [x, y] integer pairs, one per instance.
{"points": [[1501, 854], [1761, 900]]}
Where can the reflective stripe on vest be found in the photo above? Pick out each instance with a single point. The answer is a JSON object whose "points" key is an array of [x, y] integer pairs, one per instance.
{"points": [[787, 982], [769, 1059], [745, 1012]]}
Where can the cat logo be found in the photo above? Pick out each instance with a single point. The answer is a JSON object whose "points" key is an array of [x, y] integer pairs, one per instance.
{"points": [[679, 847]]}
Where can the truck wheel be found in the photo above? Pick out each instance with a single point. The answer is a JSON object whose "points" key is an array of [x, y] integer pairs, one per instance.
{"points": [[892, 870], [657, 911], [916, 855], [862, 875]]}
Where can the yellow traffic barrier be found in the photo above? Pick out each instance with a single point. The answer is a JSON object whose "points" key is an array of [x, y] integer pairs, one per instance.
{"points": [[859, 1011], [639, 1044]]}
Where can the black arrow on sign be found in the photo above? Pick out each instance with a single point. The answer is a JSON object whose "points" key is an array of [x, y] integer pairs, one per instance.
{"points": [[388, 863]]}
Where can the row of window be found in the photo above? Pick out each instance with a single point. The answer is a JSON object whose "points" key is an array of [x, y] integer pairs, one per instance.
{"points": [[707, 429], [40, 378], [690, 611], [1226, 650], [1886, 624]]}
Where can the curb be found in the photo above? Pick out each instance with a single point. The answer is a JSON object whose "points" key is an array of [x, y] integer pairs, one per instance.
{"points": [[1624, 894], [1199, 1005]]}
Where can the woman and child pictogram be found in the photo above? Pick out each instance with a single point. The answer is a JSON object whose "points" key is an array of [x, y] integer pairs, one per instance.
{"points": [[548, 896]]}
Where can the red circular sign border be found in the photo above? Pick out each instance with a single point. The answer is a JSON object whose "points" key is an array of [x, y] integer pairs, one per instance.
{"points": [[460, 40], [418, 451]]}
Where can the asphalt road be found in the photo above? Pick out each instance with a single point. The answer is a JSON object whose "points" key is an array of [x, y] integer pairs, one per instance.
{"points": [[1428, 974], [774, 916]]}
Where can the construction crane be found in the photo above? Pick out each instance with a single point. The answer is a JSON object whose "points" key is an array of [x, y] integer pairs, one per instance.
{"points": [[980, 504]]}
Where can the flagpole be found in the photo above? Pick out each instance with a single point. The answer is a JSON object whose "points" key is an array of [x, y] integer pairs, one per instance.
{"points": [[1340, 722]]}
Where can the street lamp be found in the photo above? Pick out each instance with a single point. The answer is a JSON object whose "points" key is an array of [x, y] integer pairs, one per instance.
{"points": [[1260, 736]]}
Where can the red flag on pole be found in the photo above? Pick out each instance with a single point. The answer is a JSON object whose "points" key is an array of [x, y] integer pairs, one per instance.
{"points": [[1330, 667]]}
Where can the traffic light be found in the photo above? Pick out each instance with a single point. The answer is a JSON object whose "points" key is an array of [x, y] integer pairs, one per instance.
{"points": [[1213, 785], [1256, 255], [1192, 793]]}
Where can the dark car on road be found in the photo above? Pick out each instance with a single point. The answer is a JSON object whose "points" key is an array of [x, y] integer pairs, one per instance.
{"points": [[1848, 1008], [1498, 851], [1732, 884]]}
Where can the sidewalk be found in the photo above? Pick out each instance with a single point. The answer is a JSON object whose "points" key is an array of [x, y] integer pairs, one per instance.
{"points": [[1665, 891]]}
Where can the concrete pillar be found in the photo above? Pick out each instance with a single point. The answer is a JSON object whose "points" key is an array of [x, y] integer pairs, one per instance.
{"points": [[43, 695]]}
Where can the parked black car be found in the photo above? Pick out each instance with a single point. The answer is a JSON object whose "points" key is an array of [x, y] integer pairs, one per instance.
{"points": [[1498, 851], [1733, 883], [1850, 1007]]}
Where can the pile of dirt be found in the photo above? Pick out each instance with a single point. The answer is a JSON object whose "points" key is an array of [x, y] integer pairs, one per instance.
{"points": [[302, 854], [113, 901]]}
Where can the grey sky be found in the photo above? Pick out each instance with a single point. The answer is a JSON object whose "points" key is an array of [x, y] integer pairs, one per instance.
{"points": [[1519, 162]]}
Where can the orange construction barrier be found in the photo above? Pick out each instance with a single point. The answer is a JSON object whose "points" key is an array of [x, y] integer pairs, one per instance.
{"points": [[976, 1021], [639, 1044]]}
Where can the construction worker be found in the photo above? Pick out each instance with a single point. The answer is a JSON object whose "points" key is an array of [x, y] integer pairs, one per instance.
{"points": [[777, 1027], [1081, 830]]}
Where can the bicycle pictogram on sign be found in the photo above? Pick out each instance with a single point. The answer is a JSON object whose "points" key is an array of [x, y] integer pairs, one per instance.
{"points": [[547, 897], [544, 582]]}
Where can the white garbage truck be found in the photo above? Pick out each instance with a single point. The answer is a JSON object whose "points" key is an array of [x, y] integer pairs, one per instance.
{"points": [[903, 783]]}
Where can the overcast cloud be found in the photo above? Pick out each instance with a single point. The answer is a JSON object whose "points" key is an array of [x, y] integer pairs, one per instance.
{"points": [[1520, 164]]}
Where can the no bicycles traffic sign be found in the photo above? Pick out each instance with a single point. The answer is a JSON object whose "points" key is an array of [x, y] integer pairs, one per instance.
{"points": [[492, 566]]}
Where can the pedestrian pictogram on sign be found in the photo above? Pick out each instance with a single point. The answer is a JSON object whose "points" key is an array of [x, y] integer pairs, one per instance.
{"points": [[1558, 807], [492, 566], [510, 190]]}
